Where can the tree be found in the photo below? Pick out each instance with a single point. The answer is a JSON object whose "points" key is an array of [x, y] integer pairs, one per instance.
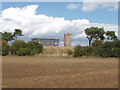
{"points": [[7, 36], [16, 46], [23, 52], [94, 32], [5, 48], [34, 47], [18, 32], [111, 35]]}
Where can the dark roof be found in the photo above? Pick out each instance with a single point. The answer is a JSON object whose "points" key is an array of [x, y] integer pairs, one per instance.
{"points": [[43, 39]]}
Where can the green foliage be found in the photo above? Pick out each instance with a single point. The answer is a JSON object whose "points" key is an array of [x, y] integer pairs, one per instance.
{"points": [[23, 52], [25, 49], [69, 51], [97, 43], [88, 51], [17, 45], [94, 32], [35, 47], [78, 51], [18, 32], [106, 49], [111, 49], [111, 35], [5, 48], [7, 36]]}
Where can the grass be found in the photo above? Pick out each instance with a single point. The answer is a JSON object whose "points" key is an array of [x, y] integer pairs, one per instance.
{"points": [[53, 51], [59, 72]]}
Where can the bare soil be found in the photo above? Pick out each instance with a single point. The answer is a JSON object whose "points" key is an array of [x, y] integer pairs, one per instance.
{"points": [[59, 72]]}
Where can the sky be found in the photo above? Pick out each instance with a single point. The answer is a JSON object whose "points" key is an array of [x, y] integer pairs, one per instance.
{"points": [[53, 19]]}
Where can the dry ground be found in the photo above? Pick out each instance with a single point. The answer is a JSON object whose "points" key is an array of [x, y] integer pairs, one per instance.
{"points": [[57, 72]]}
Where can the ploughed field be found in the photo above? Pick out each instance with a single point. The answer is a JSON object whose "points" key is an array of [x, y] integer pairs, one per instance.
{"points": [[59, 72]]}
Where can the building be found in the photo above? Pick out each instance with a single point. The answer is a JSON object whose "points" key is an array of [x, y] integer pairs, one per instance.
{"points": [[47, 42], [67, 39]]}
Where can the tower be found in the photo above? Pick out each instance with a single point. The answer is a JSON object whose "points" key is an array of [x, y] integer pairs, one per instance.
{"points": [[67, 39]]}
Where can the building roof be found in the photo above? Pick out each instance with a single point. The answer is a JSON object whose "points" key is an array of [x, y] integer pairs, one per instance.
{"points": [[44, 39]]}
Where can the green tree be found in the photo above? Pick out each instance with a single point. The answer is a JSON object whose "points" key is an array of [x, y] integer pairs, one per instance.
{"points": [[17, 45], [34, 47], [18, 32], [5, 48], [94, 32], [23, 52], [7, 36], [111, 35]]}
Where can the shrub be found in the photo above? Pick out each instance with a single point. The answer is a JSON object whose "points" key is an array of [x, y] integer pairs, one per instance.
{"points": [[97, 51], [16, 46], [25, 49], [97, 43], [117, 52], [23, 52], [88, 51], [34, 47], [69, 51], [111, 49], [116, 43], [78, 51], [5, 48]]}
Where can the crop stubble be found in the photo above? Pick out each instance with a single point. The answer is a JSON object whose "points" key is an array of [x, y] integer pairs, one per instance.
{"points": [[59, 72]]}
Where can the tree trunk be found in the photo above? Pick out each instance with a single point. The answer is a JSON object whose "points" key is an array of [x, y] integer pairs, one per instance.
{"points": [[90, 42]]}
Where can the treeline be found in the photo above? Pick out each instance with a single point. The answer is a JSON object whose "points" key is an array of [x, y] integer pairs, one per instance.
{"points": [[97, 45], [31, 48], [98, 49], [21, 48]]}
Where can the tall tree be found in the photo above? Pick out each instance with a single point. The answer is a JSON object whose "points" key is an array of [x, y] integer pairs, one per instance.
{"points": [[18, 32], [111, 35], [94, 32], [7, 36]]}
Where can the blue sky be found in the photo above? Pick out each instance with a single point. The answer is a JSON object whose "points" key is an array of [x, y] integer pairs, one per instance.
{"points": [[53, 19], [58, 9]]}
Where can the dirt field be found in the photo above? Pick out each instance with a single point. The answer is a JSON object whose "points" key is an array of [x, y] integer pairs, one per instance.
{"points": [[56, 72]]}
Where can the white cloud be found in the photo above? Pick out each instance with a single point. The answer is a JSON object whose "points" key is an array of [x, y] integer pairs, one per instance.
{"points": [[38, 25], [73, 6], [92, 6]]}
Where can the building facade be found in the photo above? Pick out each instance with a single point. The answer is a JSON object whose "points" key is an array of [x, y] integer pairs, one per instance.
{"points": [[67, 39], [47, 42]]}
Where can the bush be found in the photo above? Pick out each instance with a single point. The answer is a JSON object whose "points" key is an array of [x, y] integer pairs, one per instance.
{"points": [[97, 43], [23, 52], [16, 46], [98, 51], [5, 48], [78, 51], [106, 49], [69, 51], [25, 49], [117, 52], [34, 47], [111, 49], [88, 51]]}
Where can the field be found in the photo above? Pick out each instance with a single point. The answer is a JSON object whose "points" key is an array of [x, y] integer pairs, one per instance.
{"points": [[59, 72]]}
